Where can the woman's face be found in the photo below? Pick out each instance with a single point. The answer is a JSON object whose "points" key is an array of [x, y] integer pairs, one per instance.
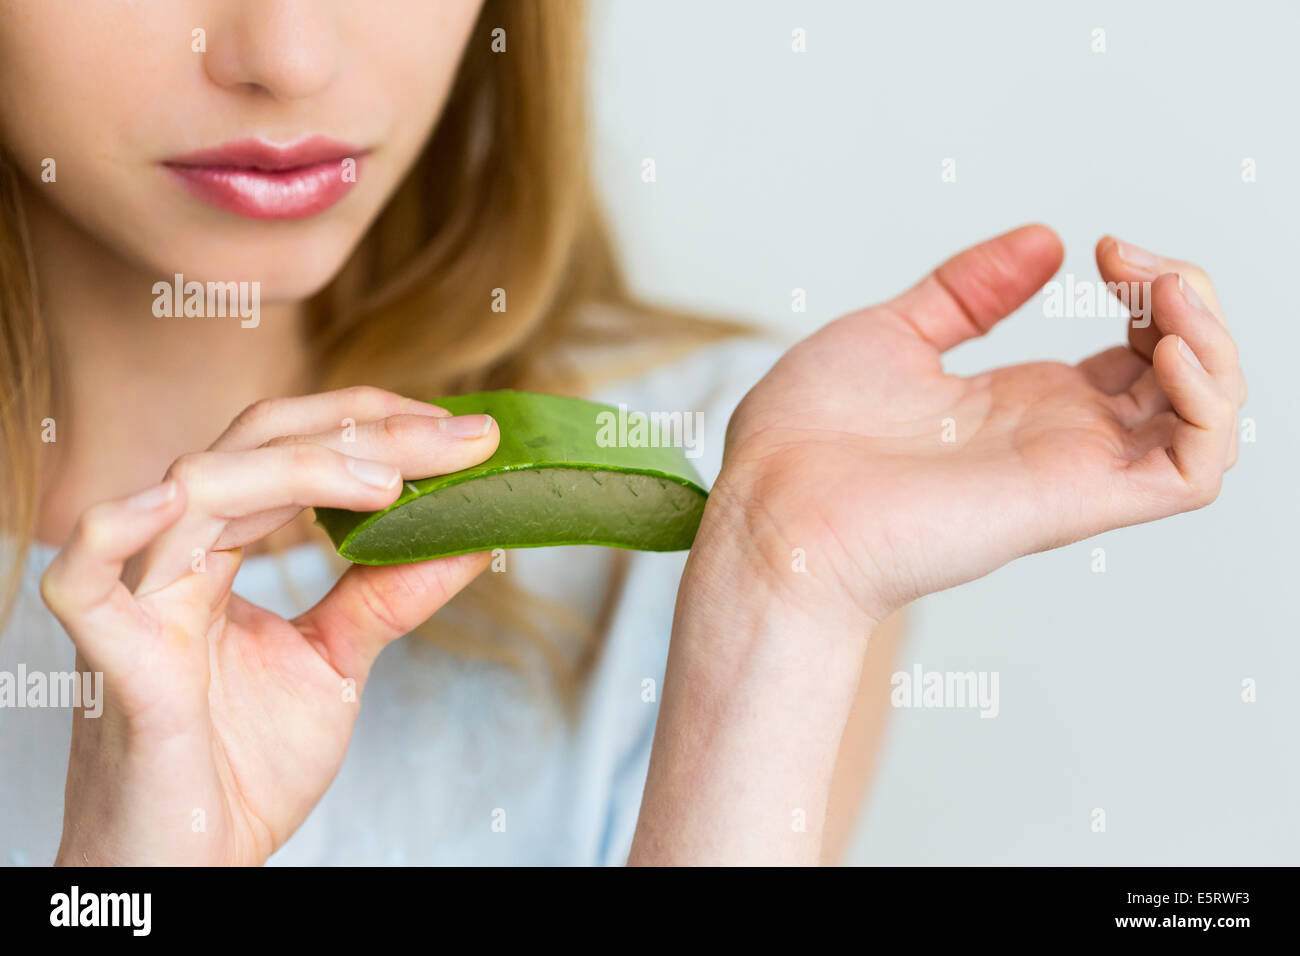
{"points": [[227, 140]]}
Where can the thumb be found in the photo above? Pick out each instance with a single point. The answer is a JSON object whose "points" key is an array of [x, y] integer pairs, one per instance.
{"points": [[371, 606], [968, 294]]}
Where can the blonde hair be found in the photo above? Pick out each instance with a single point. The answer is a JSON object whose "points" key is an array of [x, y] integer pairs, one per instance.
{"points": [[501, 198]]}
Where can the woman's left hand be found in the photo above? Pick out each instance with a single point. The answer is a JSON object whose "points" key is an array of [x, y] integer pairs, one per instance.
{"points": [[859, 475], [896, 479]]}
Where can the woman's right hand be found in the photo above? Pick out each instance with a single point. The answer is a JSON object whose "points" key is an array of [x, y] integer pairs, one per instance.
{"points": [[223, 724]]}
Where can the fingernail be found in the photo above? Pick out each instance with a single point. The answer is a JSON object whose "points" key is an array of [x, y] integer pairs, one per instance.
{"points": [[466, 426], [153, 498], [1138, 258], [1189, 293], [374, 473], [1188, 356]]}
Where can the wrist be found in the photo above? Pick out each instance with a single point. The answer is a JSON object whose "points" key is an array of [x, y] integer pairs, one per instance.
{"points": [[759, 622], [762, 674], [131, 805], [797, 571]]}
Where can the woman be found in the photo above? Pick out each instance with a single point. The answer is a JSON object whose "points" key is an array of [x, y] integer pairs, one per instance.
{"points": [[395, 196]]}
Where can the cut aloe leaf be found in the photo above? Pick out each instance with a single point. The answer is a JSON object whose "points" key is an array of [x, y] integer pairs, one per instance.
{"points": [[562, 475]]}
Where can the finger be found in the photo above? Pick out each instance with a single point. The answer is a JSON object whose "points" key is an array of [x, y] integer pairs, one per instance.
{"points": [[221, 486], [1131, 270], [308, 414], [82, 585], [218, 577], [1180, 311], [1189, 471], [417, 445], [371, 606], [275, 482], [969, 293]]}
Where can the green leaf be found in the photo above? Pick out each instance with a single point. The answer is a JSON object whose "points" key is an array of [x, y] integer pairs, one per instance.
{"points": [[556, 479]]}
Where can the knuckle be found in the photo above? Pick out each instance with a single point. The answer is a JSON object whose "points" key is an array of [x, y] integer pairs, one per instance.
{"points": [[1205, 490], [370, 398], [92, 532], [306, 457], [187, 470], [365, 393], [393, 430], [1213, 490], [53, 588], [1231, 355], [259, 412], [1228, 409], [405, 429]]}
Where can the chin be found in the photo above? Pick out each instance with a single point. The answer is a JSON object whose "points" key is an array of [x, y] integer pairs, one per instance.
{"points": [[286, 271]]}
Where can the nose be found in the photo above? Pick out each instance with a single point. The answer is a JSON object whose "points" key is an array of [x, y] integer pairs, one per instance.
{"points": [[285, 49]]}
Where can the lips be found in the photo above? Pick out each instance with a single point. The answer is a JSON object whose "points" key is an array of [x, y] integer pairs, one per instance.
{"points": [[261, 180]]}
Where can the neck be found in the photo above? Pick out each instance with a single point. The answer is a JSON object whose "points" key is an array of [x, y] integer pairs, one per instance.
{"points": [[134, 391]]}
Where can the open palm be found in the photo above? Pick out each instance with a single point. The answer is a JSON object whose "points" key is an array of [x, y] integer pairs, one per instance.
{"points": [[897, 479]]}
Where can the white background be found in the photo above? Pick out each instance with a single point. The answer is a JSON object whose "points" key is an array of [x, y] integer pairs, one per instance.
{"points": [[821, 171]]}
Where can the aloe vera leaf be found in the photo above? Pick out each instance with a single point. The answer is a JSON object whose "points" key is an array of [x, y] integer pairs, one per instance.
{"points": [[549, 483]]}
